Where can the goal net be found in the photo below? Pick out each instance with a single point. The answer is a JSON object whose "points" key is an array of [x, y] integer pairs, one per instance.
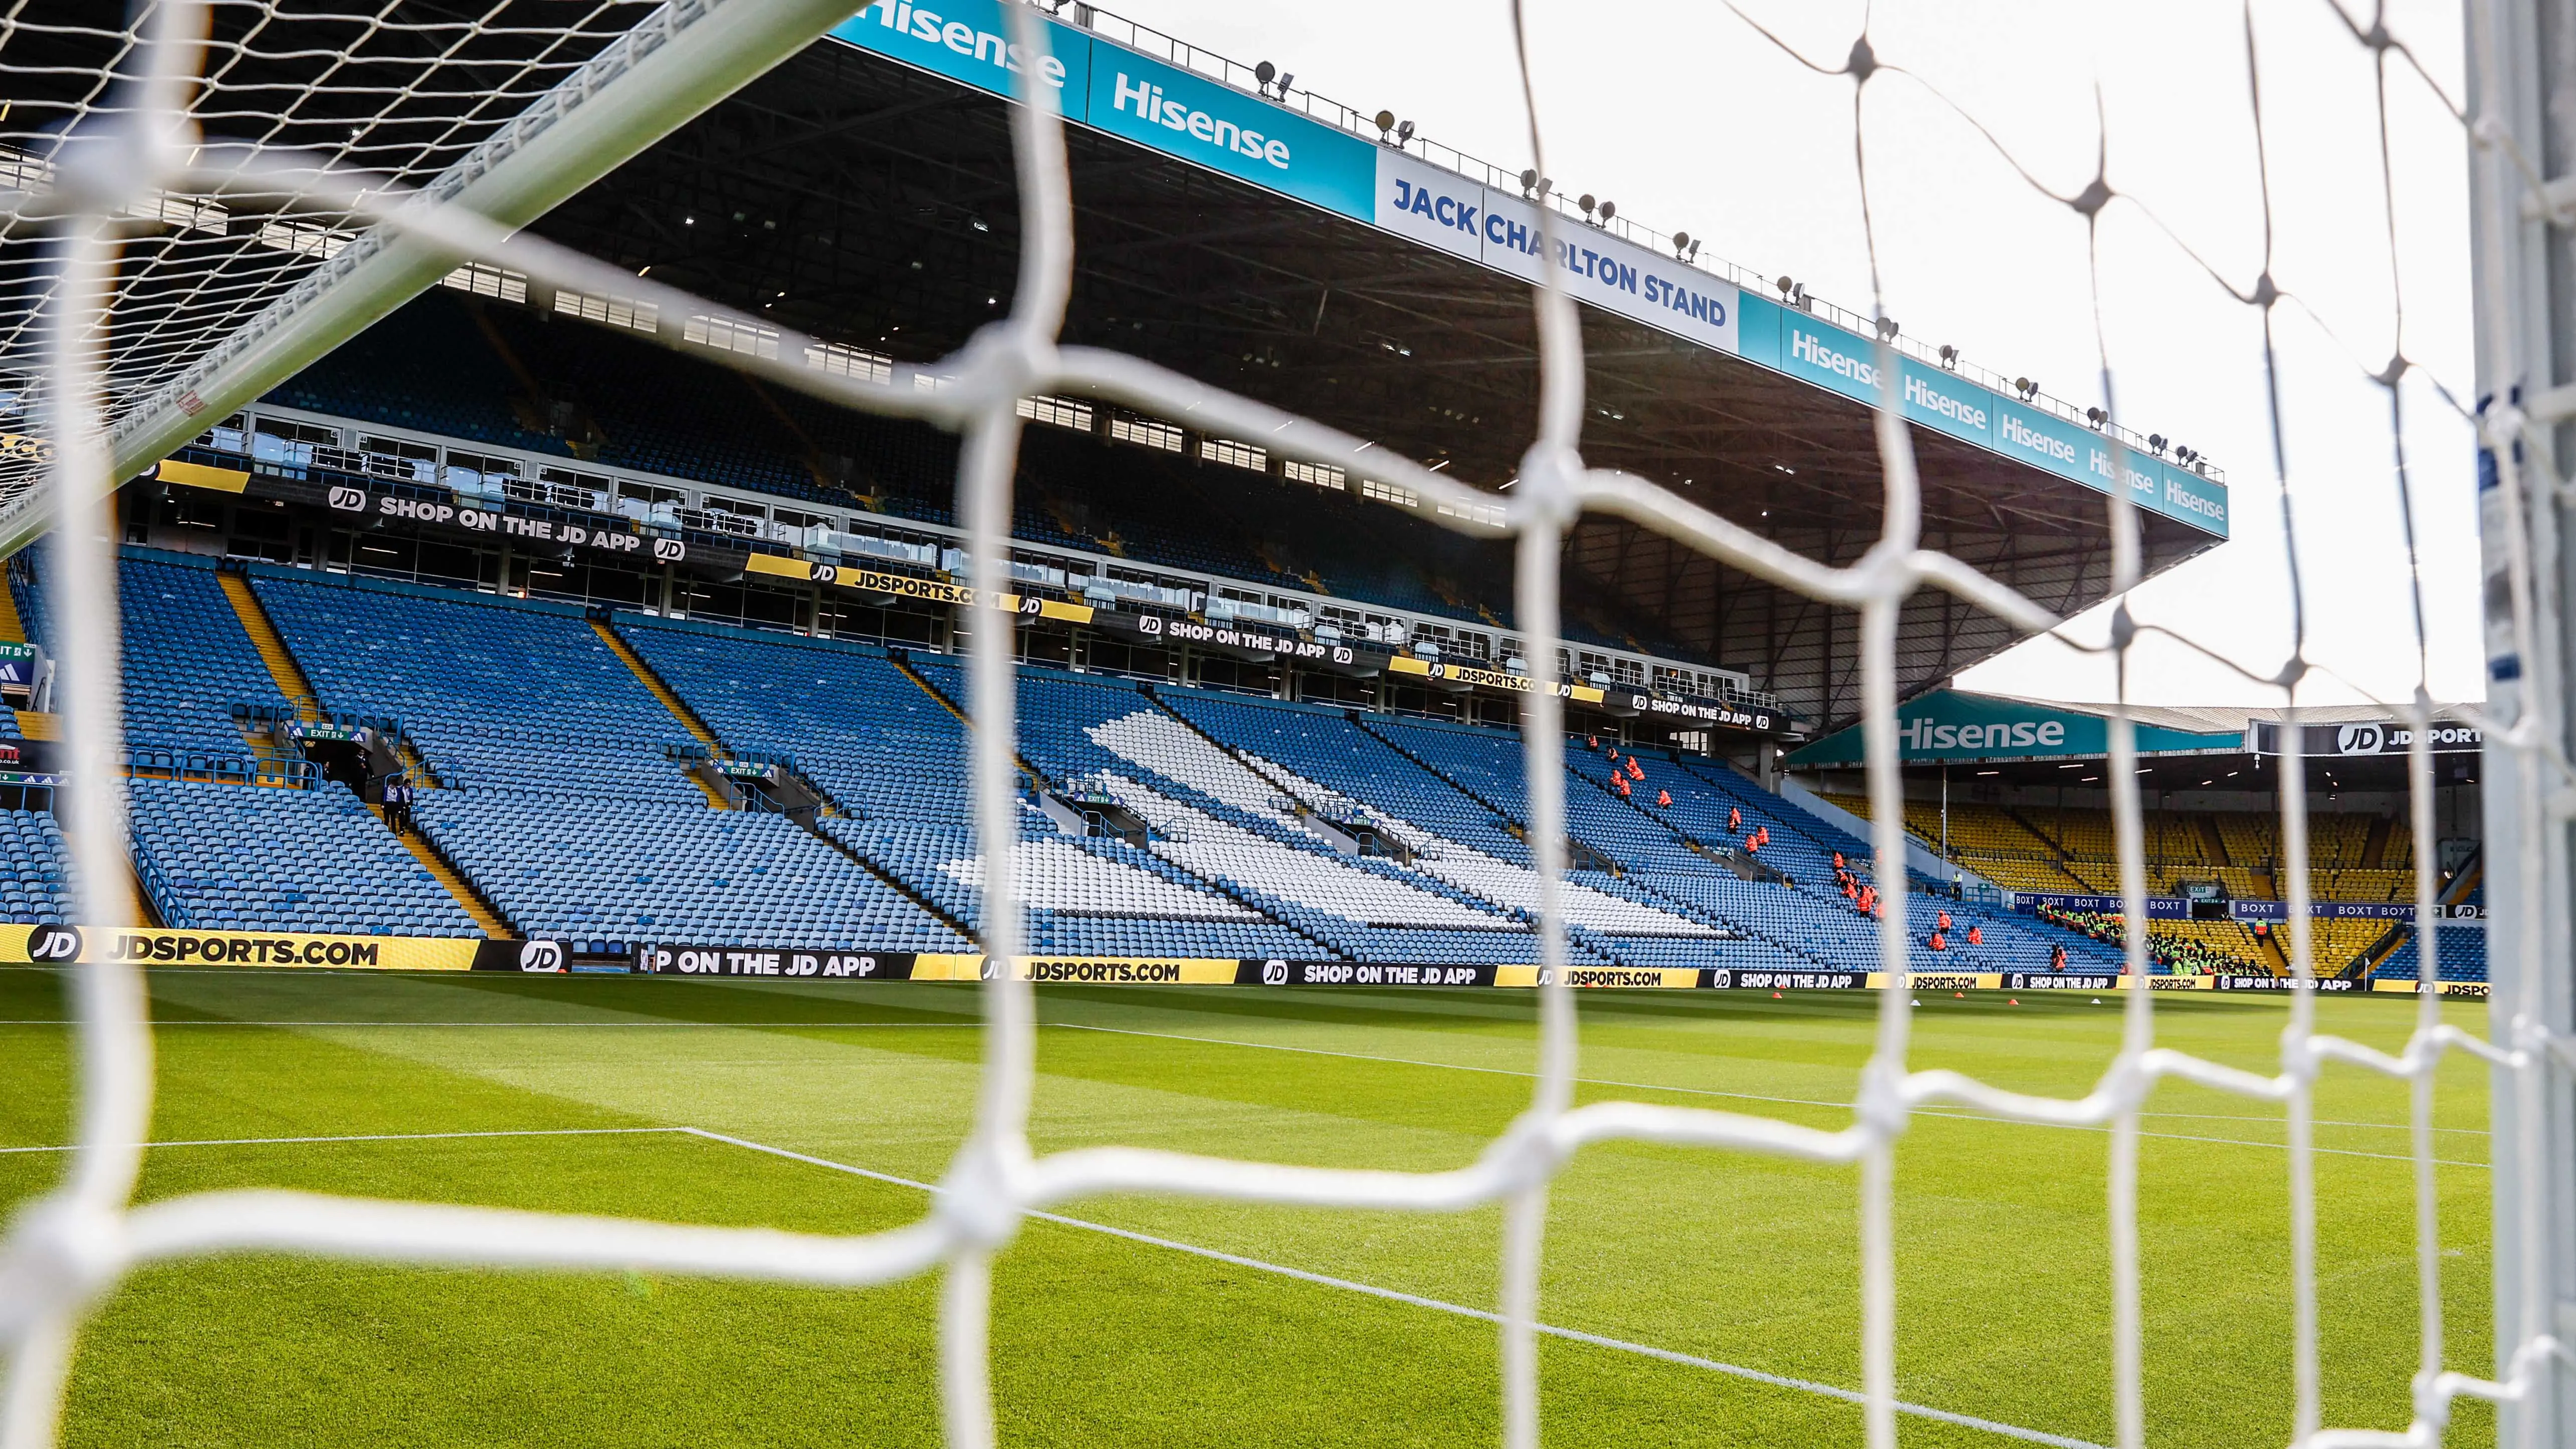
{"points": [[207, 196]]}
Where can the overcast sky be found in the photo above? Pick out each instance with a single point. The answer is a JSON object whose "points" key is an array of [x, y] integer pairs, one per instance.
{"points": [[1691, 121]]}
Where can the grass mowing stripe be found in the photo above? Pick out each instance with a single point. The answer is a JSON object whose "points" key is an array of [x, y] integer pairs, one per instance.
{"points": [[1390, 1061], [378, 1137], [1393, 1295], [1784, 1101]]}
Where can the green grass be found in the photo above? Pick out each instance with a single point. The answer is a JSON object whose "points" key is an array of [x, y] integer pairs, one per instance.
{"points": [[2003, 1293]]}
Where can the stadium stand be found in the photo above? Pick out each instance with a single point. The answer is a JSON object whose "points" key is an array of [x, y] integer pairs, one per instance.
{"points": [[889, 756], [187, 658], [495, 694], [232, 857], [498, 375], [2354, 857], [1159, 821], [2460, 952], [37, 886]]}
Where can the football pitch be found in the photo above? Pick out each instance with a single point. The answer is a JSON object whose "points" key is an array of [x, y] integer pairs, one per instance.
{"points": [[1693, 1297]]}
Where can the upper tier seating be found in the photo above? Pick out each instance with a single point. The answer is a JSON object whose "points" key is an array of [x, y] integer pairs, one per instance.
{"points": [[232, 857], [432, 367], [495, 695]]}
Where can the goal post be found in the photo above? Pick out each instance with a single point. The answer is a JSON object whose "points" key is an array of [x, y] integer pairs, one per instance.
{"points": [[2522, 221]]}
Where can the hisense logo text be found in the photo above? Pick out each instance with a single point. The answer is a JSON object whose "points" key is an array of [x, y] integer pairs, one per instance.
{"points": [[1921, 394], [2023, 435], [1812, 350]]}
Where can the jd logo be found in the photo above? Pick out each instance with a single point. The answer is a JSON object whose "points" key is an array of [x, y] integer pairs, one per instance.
{"points": [[822, 573], [1721, 978], [541, 956], [53, 943], [1342, 654], [1274, 973], [2360, 739], [1150, 624], [349, 500], [989, 969], [669, 550]]}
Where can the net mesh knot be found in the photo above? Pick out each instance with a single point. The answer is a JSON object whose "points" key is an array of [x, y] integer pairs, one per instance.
{"points": [[980, 1200], [1881, 1107], [1004, 362]]}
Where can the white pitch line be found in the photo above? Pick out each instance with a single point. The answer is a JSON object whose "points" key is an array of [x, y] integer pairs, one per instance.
{"points": [[381, 1137], [1393, 1295]]}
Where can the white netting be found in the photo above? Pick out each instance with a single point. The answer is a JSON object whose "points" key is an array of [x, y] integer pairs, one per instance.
{"points": [[138, 153]]}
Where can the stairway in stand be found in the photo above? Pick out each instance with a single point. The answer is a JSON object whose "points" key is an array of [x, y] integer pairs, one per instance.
{"points": [[671, 701], [456, 885], [282, 667]]}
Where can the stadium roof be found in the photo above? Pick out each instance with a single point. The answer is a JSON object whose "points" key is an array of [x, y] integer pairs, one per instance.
{"points": [[866, 200], [876, 203]]}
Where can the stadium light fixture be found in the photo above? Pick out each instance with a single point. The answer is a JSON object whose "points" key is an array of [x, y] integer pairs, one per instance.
{"points": [[2027, 388], [1887, 329], [2096, 417], [1263, 74], [2157, 442], [1385, 124], [1681, 244], [1949, 357], [1585, 201], [1609, 209], [1529, 182]]}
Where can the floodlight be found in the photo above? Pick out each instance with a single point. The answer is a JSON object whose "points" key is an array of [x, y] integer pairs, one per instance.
{"points": [[1404, 133], [1585, 201], [2157, 442], [2096, 416], [1265, 72], [2027, 388], [1385, 123], [1887, 329], [1784, 284], [1609, 209], [1949, 357]]}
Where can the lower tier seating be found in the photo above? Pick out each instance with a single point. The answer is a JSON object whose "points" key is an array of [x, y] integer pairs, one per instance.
{"points": [[37, 886], [623, 869], [235, 857], [2459, 954]]}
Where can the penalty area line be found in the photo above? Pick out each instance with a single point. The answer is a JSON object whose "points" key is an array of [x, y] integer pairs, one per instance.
{"points": [[1440, 1305]]}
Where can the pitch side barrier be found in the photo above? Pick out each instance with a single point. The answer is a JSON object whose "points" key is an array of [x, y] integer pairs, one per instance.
{"points": [[57, 945]]}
